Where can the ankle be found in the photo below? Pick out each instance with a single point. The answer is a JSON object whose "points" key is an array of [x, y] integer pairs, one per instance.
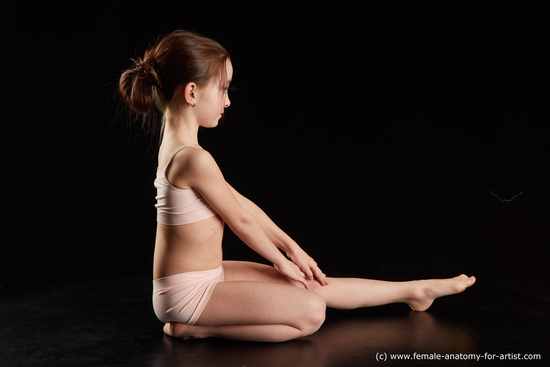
{"points": [[420, 296]]}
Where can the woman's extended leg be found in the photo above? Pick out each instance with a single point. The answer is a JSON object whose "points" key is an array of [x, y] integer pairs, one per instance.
{"points": [[255, 311], [347, 293]]}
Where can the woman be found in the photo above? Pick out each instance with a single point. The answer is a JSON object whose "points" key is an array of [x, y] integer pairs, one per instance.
{"points": [[195, 292]]}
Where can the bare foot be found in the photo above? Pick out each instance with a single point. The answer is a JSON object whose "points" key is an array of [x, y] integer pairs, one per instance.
{"points": [[180, 330], [428, 290]]}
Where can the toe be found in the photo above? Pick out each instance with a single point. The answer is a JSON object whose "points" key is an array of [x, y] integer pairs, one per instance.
{"points": [[168, 329]]}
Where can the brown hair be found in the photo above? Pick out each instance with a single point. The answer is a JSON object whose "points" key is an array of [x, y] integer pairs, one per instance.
{"points": [[179, 58]]}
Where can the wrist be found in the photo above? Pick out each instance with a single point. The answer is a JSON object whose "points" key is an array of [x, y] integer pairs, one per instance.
{"points": [[288, 245], [280, 261]]}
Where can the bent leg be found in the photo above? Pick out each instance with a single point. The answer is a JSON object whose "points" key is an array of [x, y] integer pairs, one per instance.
{"points": [[255, 311]]}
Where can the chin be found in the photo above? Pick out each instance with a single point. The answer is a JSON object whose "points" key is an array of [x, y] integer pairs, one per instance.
{"points": [[211, 125]]}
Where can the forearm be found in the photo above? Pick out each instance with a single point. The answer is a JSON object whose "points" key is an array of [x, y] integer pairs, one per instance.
{"points": [[275, 234], [303, 266], [252, 233]]}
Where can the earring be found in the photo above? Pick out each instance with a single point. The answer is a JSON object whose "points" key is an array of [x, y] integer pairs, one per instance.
{"points": [[193, 105]]}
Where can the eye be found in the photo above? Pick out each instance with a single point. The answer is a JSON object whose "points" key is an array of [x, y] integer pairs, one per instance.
{"points": [[226, 89]]}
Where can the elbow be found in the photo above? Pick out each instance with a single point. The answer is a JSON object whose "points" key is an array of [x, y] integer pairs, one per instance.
{"points": [[241, 222]]}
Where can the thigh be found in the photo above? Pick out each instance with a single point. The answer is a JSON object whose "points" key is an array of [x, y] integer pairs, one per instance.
{"points": [[255, 272], [260, 303]]}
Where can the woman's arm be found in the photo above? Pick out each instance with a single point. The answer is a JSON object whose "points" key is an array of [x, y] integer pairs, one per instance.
{"points": [[282, 240], [277, 236], [203, 174]]}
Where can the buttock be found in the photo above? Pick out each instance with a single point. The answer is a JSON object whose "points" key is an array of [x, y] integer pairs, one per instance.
{"points": [[182, 297]]}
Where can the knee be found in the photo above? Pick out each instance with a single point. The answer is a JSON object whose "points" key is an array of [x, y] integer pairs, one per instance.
{"points": [[315, 312]]}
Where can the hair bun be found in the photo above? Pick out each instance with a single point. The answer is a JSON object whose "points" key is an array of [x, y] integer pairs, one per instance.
{"points": [[146, 67], [136, 84]]}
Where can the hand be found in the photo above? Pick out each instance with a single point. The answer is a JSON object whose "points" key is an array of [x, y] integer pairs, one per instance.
{"points": [[291, 271], [308, 266]]}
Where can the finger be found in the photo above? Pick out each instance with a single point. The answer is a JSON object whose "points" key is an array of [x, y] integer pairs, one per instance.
{"points": [[320, 276], [300, 272], [314, 269], [304, 267], [309, 273], [302, 279], [325, 280]]}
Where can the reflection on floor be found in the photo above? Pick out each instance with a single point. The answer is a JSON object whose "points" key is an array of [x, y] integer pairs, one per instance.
{"points": [[112, 324]]}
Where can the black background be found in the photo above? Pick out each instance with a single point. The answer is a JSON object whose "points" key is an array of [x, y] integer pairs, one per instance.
{"points": [[385, 142]]}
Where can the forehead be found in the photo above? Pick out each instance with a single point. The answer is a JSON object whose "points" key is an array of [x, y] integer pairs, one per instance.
{"points": [[229, 70], [222, 80]]}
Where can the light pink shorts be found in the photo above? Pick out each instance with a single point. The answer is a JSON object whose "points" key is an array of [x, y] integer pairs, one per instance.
{"points": [[183, 297]]}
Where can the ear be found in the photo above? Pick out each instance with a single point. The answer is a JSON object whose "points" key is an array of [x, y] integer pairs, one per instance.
{"points": [[189, 93]]}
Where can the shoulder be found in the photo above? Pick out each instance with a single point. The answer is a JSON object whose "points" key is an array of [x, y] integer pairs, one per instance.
{"points": [[197, 158], [195, 162], [190, 155]]}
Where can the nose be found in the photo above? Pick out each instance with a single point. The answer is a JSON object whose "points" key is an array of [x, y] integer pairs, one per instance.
{"points": [[227, 101]]}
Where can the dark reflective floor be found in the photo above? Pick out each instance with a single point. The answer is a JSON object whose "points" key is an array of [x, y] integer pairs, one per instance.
{"points": [[112, 324]]}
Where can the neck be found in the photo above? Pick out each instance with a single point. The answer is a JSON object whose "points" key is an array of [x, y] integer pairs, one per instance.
{"points": [[181, 127]]}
